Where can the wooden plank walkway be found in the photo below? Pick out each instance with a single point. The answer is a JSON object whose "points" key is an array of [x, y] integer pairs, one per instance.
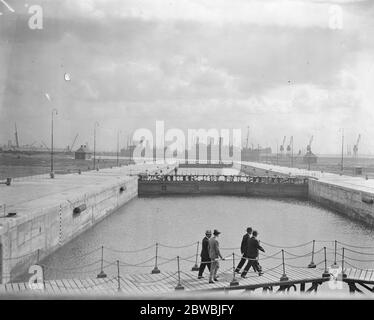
{"points": [[362, 275], [165, 283]]}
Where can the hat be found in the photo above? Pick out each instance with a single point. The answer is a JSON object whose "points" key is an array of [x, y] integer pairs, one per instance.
{"points": [[208, 232], [216, 232]]}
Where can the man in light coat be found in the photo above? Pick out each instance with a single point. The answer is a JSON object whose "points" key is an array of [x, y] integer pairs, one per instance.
{"points": [[214, 255]]}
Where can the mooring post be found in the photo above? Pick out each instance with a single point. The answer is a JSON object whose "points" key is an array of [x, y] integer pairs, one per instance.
{"points": [[343, 271], [326, 273], [284, 276], [118, 277], [195, 267], [234, 282], [156, 269], [179, 285], [102, 274], [312, 264]]}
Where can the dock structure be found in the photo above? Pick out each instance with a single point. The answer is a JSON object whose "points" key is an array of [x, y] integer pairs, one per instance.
{"points": [[283, 271], [39, 214]]}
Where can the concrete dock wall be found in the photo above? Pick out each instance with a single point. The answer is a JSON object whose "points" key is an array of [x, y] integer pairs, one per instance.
{"points": [[353, 203], [284, 190], [24, 242], [48, 216]]}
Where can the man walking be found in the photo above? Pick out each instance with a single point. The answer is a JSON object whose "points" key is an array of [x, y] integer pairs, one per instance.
{"points": [[214, 254], [252, 255], [205, 260], [243, 249]]}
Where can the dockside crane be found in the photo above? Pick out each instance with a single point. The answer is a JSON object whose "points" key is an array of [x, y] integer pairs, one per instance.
{"points": [[282, 145], [45, 145], [309, 146], [289, 147], [73, 144], [355, 147]]}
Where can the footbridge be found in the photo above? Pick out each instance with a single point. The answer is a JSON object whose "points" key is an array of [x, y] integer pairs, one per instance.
{"points": [[294, 270]]}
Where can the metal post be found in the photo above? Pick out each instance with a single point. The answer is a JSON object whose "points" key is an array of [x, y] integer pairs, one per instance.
{"points": [[195, 267], [234, 282], [343, 271], [118, 277], [94, 152], [335, 264], [342, 164], [52, 173], [156, 269], [284, 276], [179, 285], [102, 274], [43, 277], [326, 273], [312, 264], [37, 257]]}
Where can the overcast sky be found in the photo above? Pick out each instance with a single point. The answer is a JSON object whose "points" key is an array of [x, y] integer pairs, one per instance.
{"points": [[280, 66]]}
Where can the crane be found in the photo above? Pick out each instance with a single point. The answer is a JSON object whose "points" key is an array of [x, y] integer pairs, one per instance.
{"points": [[309, 146], [282, 145], [75, 139], [45, 145], [355, 147], [289, 145]]}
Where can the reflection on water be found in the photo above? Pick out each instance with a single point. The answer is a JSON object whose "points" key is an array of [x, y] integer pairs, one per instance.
{"points": [[179, 221]]}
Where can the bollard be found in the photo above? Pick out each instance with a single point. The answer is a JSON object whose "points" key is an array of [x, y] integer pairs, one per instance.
{"points": [[8, 181], [335, 264], [179, 285], [195, 267], [312, 264], [156, 269], [284, 276], [343, 271], [102, 274], [79, 171], [52, 175], [118, 277], [234, 281], [326, 273]]}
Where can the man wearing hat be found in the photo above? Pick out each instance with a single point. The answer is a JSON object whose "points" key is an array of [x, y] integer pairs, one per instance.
{"points": [[243, 249], [205, 260], [214, 254]]}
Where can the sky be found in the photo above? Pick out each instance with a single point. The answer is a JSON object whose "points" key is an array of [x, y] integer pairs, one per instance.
{"points": [[282, 67]]}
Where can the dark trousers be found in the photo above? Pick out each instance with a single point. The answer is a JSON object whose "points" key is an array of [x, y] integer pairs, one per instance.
{"points": [[204, 264], [254, 264], [241, 263]]}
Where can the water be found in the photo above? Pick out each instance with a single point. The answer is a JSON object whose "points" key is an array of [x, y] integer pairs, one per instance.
{"points": [[179, 221]]}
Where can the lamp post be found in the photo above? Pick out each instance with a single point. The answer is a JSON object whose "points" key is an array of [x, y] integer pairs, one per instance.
{"points": [[342, 163], [94, 152], [118, 134], [54, 111]]}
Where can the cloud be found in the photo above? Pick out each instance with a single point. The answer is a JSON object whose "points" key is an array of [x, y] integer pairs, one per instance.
{"points": [[275, 65]]}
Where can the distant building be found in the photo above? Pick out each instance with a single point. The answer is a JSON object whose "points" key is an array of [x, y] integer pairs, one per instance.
{"points": [[83, 153]]}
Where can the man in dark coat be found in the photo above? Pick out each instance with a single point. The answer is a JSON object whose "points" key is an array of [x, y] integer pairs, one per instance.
{"points": [[243, 249], [252, 255], [205, 260]]}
